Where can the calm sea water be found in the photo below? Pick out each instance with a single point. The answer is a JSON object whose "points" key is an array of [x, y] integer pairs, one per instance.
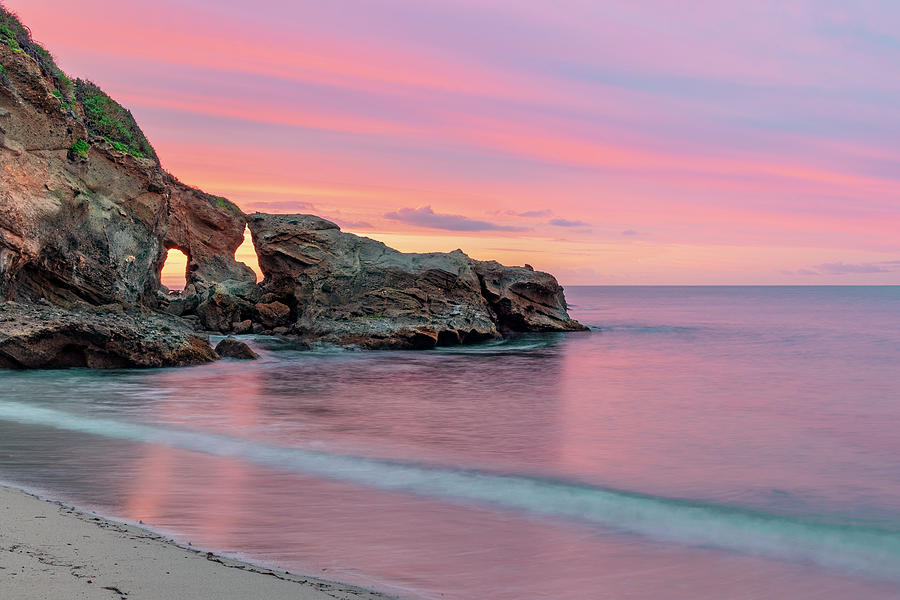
{"points": [[702, 443]]}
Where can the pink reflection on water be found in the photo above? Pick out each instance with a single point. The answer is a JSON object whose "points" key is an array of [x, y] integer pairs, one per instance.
{"points": [[153, 495], [421, 547]]}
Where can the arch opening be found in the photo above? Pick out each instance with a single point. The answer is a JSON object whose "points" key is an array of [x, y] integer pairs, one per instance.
{"points": [[246, 254], [174, 270]]}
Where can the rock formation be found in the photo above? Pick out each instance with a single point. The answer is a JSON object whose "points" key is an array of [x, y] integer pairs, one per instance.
{"points": [[347, 289], [41, 335], [87, 215]]}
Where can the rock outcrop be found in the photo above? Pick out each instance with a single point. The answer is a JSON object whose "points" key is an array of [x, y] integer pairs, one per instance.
{"points": [[208, 229], [94, 227], [87, 215], [70, 229], [524, 299], [39, 335], [346, 289]]}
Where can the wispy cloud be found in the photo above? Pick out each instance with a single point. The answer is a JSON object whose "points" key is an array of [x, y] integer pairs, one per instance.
{"points": [[534, 213], [629, 232], [287, 206], [360, 225], [568, 223], [842, 268], [426, 217]]}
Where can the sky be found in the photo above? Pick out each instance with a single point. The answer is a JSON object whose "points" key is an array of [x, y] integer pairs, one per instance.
{"points": [[653, 142]]}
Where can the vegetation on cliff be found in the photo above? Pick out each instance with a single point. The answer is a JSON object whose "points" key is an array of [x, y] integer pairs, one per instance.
{"points": [[18, 37], [102, 115], [109, 119]]}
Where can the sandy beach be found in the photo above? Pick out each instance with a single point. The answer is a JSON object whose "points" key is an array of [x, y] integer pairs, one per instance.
{"points": [[50, 551]]}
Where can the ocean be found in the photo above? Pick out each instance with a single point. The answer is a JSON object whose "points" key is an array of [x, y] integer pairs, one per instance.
{"points": [[698, 443]]}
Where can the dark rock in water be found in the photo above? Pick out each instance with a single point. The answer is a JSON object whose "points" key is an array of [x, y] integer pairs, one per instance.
{"points": [[36, 336], [232, 348], [347, 289]]}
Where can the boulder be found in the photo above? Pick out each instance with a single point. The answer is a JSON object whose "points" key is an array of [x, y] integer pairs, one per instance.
{"points": [[273, 314], [232, 348], [242, 327], [221, 309], [44, 336]]}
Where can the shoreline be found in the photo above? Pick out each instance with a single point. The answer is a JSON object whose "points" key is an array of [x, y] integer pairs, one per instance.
{"points": [[49, 549]]}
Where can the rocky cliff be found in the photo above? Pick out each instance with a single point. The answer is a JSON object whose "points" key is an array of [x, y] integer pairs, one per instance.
{"points": [[87, 215]]}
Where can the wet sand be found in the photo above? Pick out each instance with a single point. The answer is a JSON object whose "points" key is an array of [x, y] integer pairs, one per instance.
{"points": [[49, 551]]}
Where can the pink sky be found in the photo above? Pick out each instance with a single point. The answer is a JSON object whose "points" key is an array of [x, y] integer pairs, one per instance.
{"points": [[656, 142]]}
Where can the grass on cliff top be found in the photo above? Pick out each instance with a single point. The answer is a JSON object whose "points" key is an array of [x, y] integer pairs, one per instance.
{"points": [[18, 37], [103, 116], [109, 119], [220, 202]]}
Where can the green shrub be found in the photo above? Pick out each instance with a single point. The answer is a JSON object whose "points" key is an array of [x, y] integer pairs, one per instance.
{"points": [[220, 202], [107, 118], [79, 148]]}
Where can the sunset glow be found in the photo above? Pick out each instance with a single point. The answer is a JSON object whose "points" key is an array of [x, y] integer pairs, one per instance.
{"points": [[754, 143]]}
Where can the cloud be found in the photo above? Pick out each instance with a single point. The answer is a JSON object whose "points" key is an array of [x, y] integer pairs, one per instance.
{"points": [[534, 213], [285, 206], [629, 232], [568, 223], [345, 224], [842, 268], [426, 217]]}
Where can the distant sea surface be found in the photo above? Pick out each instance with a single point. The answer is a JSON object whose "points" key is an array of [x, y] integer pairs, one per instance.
{"points": [[699, 443]]}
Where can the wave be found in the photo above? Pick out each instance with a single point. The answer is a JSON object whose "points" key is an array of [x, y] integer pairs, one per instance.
{"points": [[864, 549]]}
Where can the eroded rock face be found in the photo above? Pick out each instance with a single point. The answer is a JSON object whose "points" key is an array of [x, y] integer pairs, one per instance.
{"points": [[34, 336], [208, 229], [524, 299], [82, 229], [347, 289], [95, 228]]}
